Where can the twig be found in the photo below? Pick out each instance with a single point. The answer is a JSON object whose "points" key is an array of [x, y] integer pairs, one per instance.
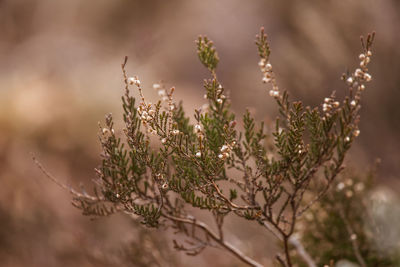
{"points": [[354, 243], [214, 236], [68, 188]]}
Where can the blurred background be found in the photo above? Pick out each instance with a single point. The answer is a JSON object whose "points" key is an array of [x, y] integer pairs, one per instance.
{"points": [[60, 74]]}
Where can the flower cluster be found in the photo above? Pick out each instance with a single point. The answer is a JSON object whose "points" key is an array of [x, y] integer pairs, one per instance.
{"points": [[329, 104], [268, 76], [349, 187], [360, 76], [226, 150]]}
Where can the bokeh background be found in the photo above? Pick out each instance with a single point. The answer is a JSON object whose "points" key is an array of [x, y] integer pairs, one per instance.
{"points": [[60, 73]]}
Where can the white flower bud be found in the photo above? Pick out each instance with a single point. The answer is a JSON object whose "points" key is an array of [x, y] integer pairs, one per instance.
{"points": [[353, 103], [134, 80], [367, 77], [271, 92], [349, 80], [165, 185], [197, 127], [266, 80], [340, 186], [358, 73], [198, 154], [359, 187], [224, 148], [219, 101], [161, 92]]}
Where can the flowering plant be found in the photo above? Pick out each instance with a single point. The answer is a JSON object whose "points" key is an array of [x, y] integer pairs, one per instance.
{"points": [[166, 164]]}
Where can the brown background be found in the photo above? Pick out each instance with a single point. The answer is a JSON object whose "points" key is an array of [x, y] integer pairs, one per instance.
{"points": [[60, 73]]}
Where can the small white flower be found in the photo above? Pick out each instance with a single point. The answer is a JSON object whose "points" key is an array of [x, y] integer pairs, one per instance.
{"points": [[198, 154], [336, 104], [271, 92], [205, 96], [197, 127], [369, 53], [356, 133], [361, 56], [134, 80], [353, 237], [268, 67], [165, 185], [340, 186], [367, 77], [164, 140], [358, 73], [326, 107], [362, 87], [327, 99], [219, 101], [175, 132], [151, 112], [353, 103], [220, 156], [276, 93], [359, 187], [161, 92], [347, 139], [224, 148], [266, 80], [349, 80], [261, 63]]}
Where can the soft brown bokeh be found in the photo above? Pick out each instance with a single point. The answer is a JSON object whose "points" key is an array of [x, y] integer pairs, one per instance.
{"points": [[60, 73]]}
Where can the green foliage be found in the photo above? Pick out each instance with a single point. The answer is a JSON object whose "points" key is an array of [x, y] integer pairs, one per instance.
{"points": [[340, 226], [207, 53], [164, 164]]}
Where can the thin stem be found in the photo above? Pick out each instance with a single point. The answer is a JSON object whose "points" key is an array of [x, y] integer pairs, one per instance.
{"points": [[286, 249], [217, 239], [353, 239]]}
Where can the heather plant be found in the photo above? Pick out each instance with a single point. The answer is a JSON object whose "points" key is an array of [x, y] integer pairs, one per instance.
{"points": [[165, 166], [343, 227]]}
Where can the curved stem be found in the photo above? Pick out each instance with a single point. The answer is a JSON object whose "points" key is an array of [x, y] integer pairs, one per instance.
{"points": [[235, 251]]}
